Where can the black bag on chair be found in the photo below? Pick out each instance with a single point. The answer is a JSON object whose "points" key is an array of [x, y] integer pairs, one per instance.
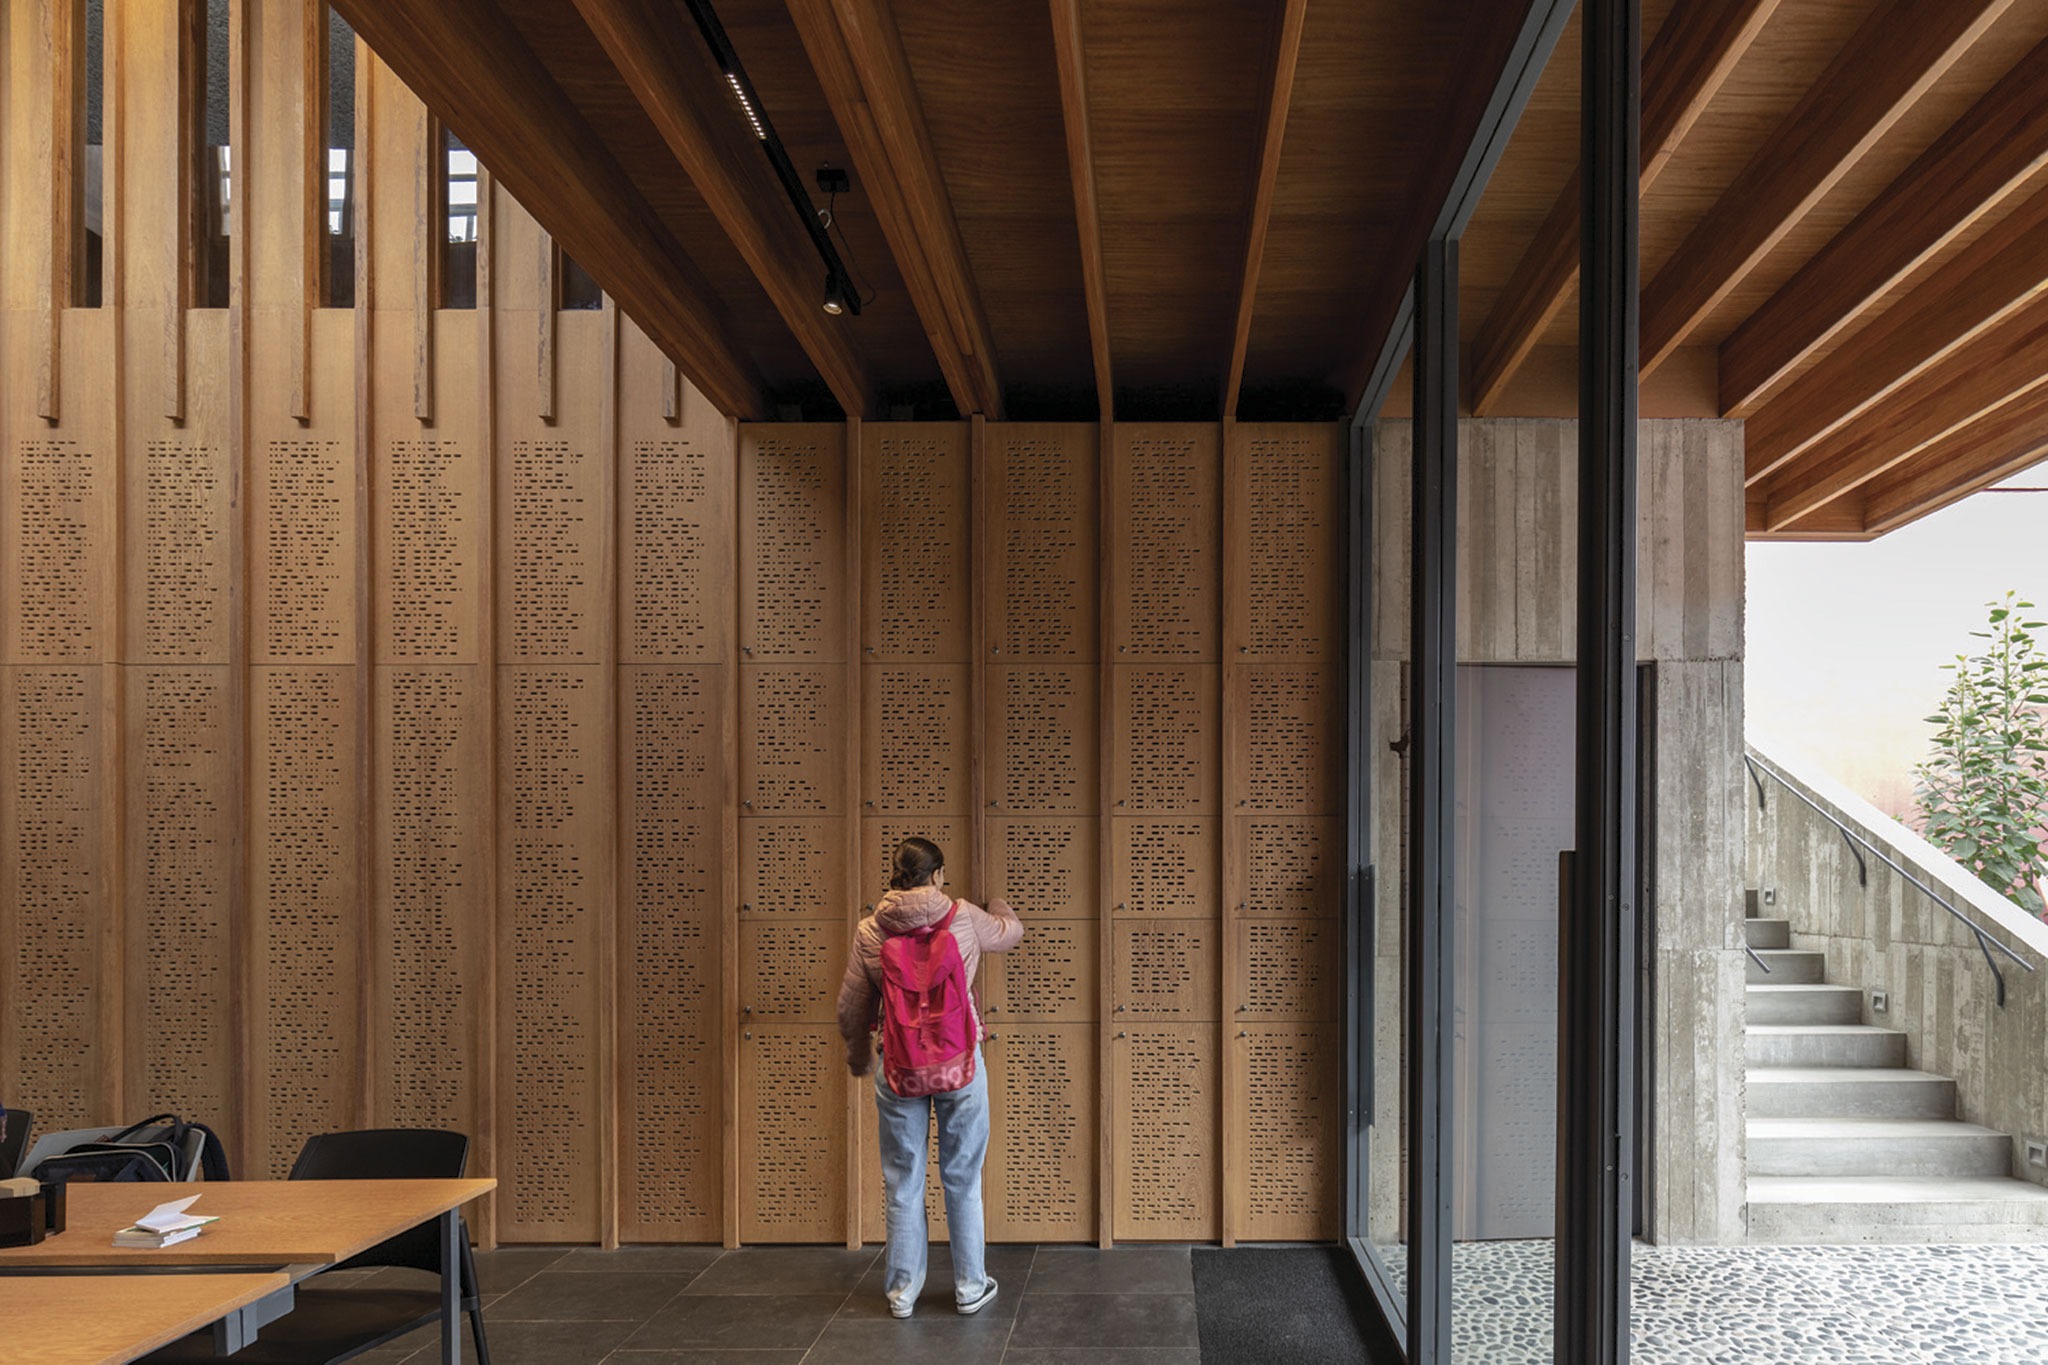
{"points": [[154, 1149]]}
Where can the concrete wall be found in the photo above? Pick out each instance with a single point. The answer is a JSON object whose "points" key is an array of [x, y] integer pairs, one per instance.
{"points": [[1890, 936], [1517, 566]]}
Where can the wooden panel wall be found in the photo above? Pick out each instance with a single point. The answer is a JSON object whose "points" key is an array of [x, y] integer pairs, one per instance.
{"points": [[445, 718]]}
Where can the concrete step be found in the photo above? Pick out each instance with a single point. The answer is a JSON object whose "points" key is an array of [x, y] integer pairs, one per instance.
{"points": [[1849, 1092], [1876, 1147], [1788, 967], [1768, 933], [1823, 1045], [1847, 1209], [1807, 1004]]}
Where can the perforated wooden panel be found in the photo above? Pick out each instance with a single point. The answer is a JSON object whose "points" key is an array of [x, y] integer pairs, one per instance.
{"points": [[1168, 867], [1043, 755], [794, 869], [671, 909], [303, 581], [1167, 760], [676, 495], [1166, 969], [1052, 976], [55, 547], [306, 908], [1293, 865], [1286, 571], [793, 1174], [1288, 970], [1167, 1174], [914, 541], [1042, 500], [429, 501], [53, 890], [1168, 560], [1293, 754], [790, 972], [181, 590], [916, 739], [429, 892], [554, 862], [793, 740], [1045, 866], [551, 497], [1294, 1105], [793, 543], [1040, 1183]]}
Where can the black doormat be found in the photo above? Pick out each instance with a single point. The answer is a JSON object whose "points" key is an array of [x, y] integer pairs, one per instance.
{"points": [[1286, 1306]]}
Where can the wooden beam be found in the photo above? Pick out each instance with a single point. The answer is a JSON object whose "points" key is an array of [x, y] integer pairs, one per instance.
{"points": [[2013, 439], [666, 66], [511, 113], [858, 55], [1988, 154], [1886, 66], [1688, 61], [1066, 43], [1279, 98], [2004, 365], [1981, 287]]}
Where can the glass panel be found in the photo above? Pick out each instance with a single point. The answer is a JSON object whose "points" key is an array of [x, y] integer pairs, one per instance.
{"points": [[215, 163], [339, 112], [579, 290], [86, 273], [458, 242]]}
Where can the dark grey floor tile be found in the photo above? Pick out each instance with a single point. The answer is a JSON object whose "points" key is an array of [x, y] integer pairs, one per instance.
{"points": [[556, 1296], [1120, 1270], [520, 1343], [509, 1267], [786, 1270], [1089, 1355], [913, 1341], [1011, 1267], [754, 1321], [710, 1357], [1106, 1320], [665, 1260]]}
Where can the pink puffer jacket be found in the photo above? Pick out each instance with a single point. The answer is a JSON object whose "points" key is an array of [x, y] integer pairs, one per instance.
{"points": [[977, 931]]}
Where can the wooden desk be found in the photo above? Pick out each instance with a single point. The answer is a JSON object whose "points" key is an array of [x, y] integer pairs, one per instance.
{"points": [[108, 1319], [299, 1226]]}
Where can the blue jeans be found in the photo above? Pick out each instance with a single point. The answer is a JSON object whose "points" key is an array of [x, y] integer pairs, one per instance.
{"points": [[963, 1143]]}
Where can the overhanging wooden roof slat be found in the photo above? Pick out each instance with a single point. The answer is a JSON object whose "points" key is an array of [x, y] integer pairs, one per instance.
{"points": [[1694, 52], [1982, 286], [1066, 42], [507, 109], [1890, 61], [2001, 367], [2013, 439], [1969, 170], [664, 64], [858, 56], [1287, 54]]}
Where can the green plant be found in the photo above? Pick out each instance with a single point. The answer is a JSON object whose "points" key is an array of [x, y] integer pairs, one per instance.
{"points": [[1983, 791]]}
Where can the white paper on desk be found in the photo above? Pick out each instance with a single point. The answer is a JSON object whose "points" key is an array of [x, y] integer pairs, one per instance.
{"points": [[172, 1216]]}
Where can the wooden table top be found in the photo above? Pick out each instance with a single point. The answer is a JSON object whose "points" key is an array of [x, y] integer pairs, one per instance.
{"points": [[262, 1222], [108, 1319]]}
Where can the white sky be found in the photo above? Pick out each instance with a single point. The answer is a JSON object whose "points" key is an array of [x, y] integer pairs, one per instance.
{"points": [[1846, 642]]}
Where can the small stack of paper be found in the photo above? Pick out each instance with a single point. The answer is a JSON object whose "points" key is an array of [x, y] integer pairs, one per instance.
{"points": [[165, 1225]]}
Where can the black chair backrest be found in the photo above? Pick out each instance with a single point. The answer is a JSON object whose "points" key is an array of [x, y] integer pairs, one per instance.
{"points": [[14, 1126], [389, 1154]]}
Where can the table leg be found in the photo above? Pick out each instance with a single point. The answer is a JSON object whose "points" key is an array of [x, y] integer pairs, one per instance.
{"points": [[451, 1287]]}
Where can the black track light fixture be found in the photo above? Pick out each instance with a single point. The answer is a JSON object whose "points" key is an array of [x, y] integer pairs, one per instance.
{"points": [[839, 295]]}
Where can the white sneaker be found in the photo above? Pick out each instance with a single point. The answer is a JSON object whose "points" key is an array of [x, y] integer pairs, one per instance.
{"points": [[902, 1308], [986, 1297]]}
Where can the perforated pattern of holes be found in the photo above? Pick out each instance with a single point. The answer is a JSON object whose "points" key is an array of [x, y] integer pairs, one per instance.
{"points": [[1045, 541], [1167, 1114], [184, 604], [918, 480], [57, 556], [672, 543], [1166, 969], [1293, 866], [1046, 737], [53, 881], [550, 885], [949, 833], [186, 868], [305, 857], [1051, 975], [1171, 523], [920, 728], [1293, 1093], [1166, 867], [794, 720], [794, 869], [304, 582], [790, 972], [793, 535], [432, 726], [792, 1135], [1291, 763], [1290, 969], [431, 509], [1291, 508], [1045, 867], [1169, 756], [554, 550], [1042, 1090]]}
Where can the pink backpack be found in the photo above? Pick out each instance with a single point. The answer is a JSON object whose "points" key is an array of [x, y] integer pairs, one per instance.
{"points": [[927, 1022]]}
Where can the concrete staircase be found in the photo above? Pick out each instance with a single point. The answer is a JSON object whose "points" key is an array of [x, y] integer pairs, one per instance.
{"points": [[1848, 1144]]}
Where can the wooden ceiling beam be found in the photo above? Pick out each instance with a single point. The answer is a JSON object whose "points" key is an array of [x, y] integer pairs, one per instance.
{"points": [[1884, 69], [668, 69], [1990, 153], [502, 102], [2011, 440], [857, 53], [1692, 55], [1986, 283], [2000, 368], [1280, 98], [1066, 44]]}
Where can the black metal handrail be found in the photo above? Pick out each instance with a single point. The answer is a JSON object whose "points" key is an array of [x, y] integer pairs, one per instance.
{"points": [[1985, 943], [1757, 958]]}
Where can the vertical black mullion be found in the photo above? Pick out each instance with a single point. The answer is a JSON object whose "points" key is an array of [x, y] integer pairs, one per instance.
{"points": [[1358, 933], [1596, 985], [1431, 922]]}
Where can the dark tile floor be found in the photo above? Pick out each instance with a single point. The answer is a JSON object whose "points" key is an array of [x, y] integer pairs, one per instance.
{"points": [[822, 1306]]}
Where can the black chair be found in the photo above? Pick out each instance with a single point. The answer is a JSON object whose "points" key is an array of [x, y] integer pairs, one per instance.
{"points": [[326, 1324], [14, 1126]]}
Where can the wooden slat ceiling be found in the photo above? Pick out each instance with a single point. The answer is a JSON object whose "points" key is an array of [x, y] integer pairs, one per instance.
{"points": [[1064, 209]]}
